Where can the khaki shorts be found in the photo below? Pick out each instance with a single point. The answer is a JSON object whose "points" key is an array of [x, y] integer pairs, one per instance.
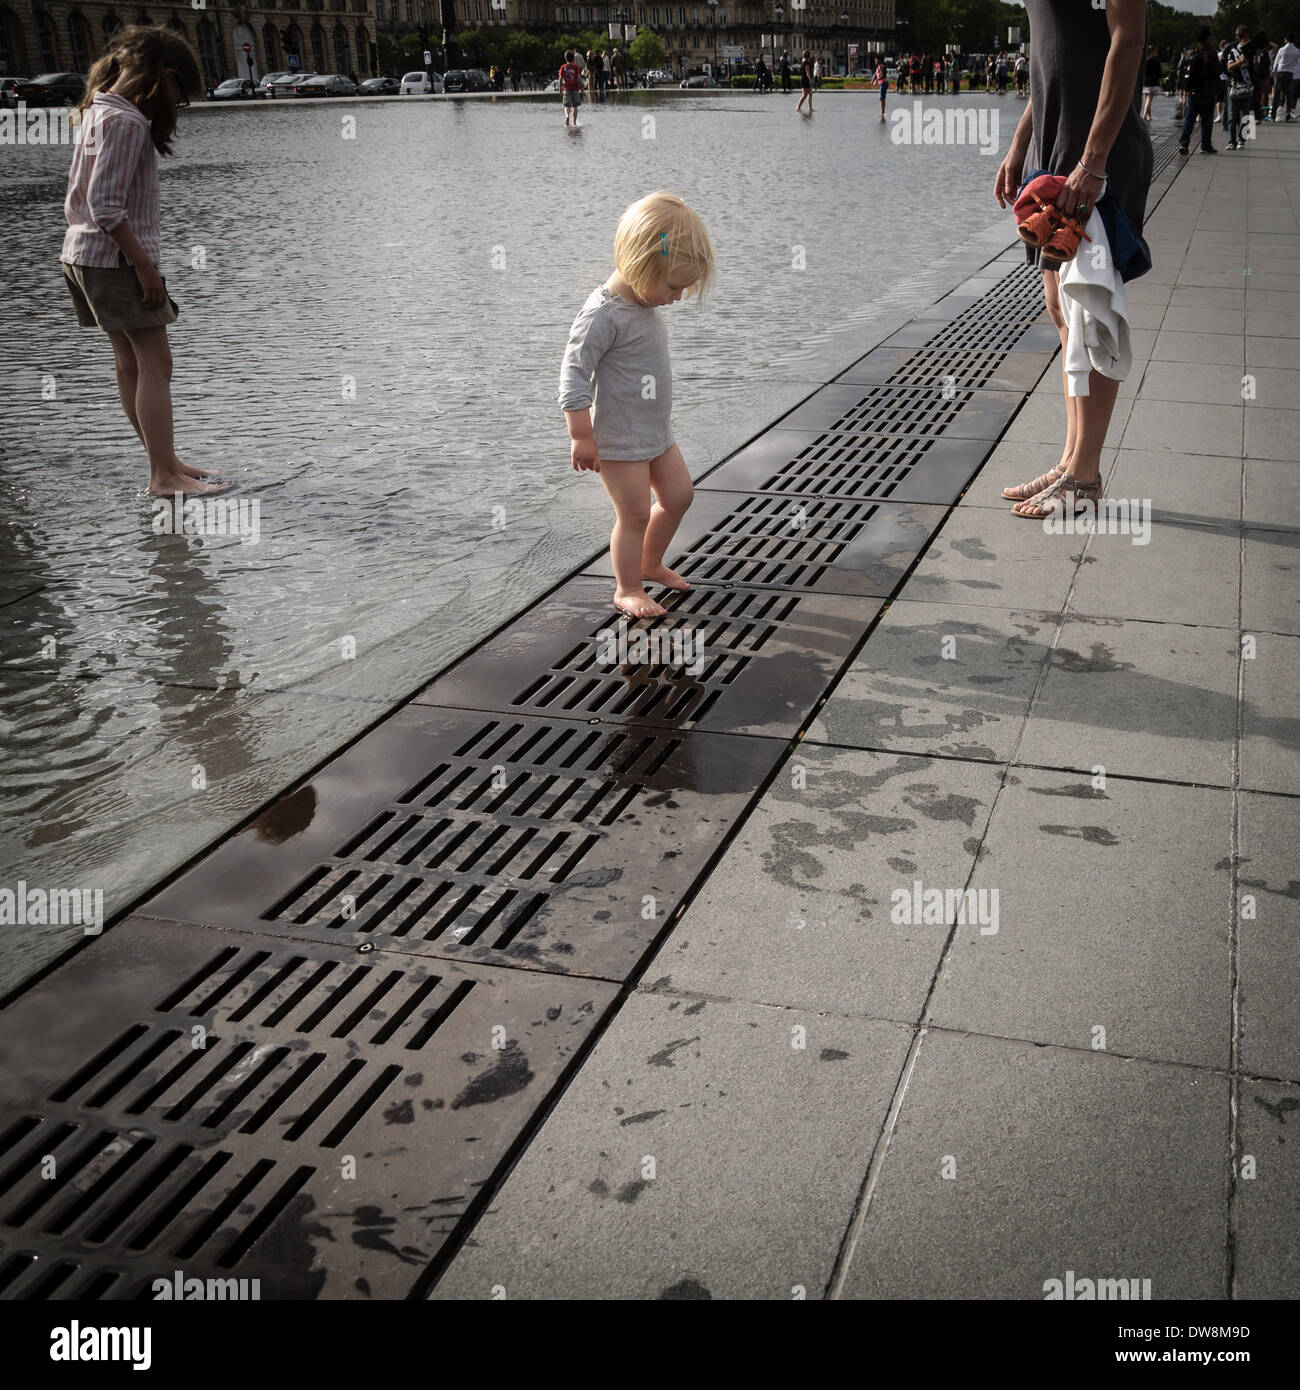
{"points": [[573, 98], [111, 298]]}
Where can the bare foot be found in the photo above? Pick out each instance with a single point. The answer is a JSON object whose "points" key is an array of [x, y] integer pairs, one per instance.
{"points": [[166, 484], [191, 472], [661, 574], [637, 603]]}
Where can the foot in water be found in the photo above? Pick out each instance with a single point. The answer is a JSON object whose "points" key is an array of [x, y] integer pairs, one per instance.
{"points": [[191, 472], [661, 574], [638, 604], [182, 481]]}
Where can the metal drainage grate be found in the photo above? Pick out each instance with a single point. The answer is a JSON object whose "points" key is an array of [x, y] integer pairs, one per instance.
{"points": [[765, 658], [502, 841], [270, 1110], [839, 547], [810, 463]]}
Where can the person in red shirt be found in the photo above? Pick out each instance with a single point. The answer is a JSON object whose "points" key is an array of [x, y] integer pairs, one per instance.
{"points": [[570, 86]]}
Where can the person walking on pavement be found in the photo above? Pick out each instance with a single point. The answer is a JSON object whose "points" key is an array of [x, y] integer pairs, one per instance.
{"points": [[817, 73], [761, 77], [1237, 64], [1152, 79], [806, 81], [785, 72], [1223, 84], [1083, 121], [1286, 72], [882, 81], [1200, 83]]}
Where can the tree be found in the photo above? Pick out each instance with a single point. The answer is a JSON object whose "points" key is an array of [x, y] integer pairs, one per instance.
{"points": [[647, 51]]}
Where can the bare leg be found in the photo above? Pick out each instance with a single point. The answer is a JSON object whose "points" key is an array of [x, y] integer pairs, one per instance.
{"points": [[628, 486], [153, 412], [1089, 416], [128, 384], [1052, 298], [673, 495]]}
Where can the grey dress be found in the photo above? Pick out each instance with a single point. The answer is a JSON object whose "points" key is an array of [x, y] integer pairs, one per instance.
{"points": [[1068, 45]]}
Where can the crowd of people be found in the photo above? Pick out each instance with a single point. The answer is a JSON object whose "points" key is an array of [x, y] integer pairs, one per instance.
{"points": [[938, 74], [1248, 76]]}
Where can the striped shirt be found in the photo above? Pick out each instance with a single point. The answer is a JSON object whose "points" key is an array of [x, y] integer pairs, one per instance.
{"points": [[114, 178]]}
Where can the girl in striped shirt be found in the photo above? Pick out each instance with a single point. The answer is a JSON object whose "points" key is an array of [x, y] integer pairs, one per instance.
{"points": [[111, 250]]}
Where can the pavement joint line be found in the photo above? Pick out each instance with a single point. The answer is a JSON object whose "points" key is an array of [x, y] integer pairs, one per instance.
{"points": [[879, 1152]]}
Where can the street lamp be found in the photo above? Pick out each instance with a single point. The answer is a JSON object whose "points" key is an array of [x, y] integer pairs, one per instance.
{"points": [[778, 12], [713, 22], [844, 24]]}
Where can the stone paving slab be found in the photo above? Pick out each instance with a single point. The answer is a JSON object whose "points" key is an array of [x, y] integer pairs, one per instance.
{"points": [[1163, 571], [1270, 738], [1185, 490], [1268, 959], [1182, 428], [902, 694], [1113, 911], [1271, 582], [758, 1151], [1218, 349], [801, 909], [1062, 1160], [1267, 1251], [1141, 699], [996, 558]]}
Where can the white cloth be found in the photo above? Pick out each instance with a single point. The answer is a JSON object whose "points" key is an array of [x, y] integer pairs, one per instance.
{"points": [[1287, 59], [1096, 312]]}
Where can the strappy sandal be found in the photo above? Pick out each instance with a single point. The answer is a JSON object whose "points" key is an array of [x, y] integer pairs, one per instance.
{"points": [[1027, 490], [1065, 493]]}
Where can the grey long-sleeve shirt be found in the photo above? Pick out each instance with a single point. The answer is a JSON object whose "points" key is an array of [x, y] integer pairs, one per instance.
{"points": [[625, 346]]}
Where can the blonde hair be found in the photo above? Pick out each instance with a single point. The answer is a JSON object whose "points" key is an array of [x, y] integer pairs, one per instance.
{"points": [[658, 235]]}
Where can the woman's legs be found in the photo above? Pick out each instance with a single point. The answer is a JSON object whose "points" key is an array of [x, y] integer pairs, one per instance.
{"points": [[1088, 417], [1052, 298]]}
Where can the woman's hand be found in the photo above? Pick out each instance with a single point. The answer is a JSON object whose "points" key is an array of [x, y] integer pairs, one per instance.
{"points": [[151, 284], [585, 455], [1007, 183], [1079, 194]]}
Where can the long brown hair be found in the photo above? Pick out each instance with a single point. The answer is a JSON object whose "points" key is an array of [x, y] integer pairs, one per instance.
{"points": [[142, 55]]}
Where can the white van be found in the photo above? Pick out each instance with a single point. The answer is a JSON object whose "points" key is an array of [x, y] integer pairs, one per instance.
{"points": [[418, 84]]}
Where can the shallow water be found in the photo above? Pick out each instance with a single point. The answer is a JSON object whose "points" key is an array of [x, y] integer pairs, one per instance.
{"points": [[159, 689]]}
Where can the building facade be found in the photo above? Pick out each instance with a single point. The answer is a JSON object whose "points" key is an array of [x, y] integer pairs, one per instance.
{"points": [[39, 36], [693, 34], [235, 40]]}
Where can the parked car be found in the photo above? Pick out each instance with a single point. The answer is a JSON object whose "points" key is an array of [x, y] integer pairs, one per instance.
{"points": [[236, 89], [9, 88], [656, 77], [553, 85], [466, 80], [282, 84], [379, 87], [416, 84], [701, 80], [52, 89], [326, 84]]}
